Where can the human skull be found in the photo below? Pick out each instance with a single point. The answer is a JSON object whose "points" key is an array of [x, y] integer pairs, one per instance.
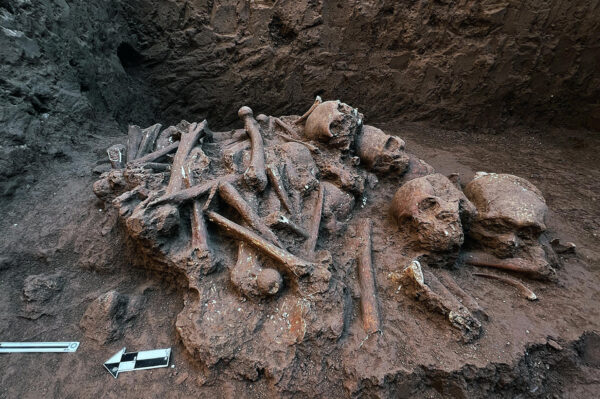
{"points": [[435, 212], [381, 152], [334, 123], [511, 213]]}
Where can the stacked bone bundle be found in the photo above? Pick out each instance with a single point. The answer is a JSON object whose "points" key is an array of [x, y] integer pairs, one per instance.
{"points": [[261, 222]]}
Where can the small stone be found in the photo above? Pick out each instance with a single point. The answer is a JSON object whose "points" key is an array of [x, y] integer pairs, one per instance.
{"points": [[554, 345], [181, 379]]}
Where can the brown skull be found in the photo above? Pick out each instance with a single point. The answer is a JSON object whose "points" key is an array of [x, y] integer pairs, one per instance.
{"points": [[511, 213], [335, 123], [435, 212], [381, 152]]}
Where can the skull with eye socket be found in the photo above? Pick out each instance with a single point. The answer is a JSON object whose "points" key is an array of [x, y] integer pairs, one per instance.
{"points": [[435, 212], [511, 213], [380, 152]]}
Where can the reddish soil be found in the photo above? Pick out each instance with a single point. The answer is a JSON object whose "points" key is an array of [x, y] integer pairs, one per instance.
{"points": [[55, 225]]}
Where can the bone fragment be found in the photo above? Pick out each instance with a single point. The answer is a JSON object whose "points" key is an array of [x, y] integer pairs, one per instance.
{"points": [[277, 184], [315, 223], [318, 101], [366, 279], [526, 292], [235, 138], [280, 221], [255, 175], [156, 155], [187, 143], [230, 195], [116, 156], [292, 263], [438, 299], [133, 142], [159, 167], [532, 269], [199, 233], [149, 136], [560, 248]]}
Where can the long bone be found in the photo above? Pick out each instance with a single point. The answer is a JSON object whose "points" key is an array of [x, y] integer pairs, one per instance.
{"points": [[149, 136], [250, 278], [133, 142], [255, 175], [277, 184], [526, 292], [366, 279], [466, 299], [199, 233], [280, 221], [230, 195], [187, 143], [315, 223], [318, 101], [156, 155], [436, 297], [298, 267], [521, 265], [192, 192]]}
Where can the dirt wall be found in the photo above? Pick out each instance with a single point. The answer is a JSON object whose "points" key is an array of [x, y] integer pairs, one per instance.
{"points": [[481, 64], [76, 68]]}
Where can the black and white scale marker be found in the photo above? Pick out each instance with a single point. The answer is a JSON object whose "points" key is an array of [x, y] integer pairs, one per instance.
{"points": [[30, 347], [121, 361]]}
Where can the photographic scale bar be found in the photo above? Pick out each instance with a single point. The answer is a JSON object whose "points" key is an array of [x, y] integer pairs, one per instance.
{"points": [[33, 347]]}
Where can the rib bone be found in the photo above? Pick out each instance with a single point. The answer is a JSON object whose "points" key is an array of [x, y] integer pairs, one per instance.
{"points": [[292, 263], [254, 176], [366, 278]]}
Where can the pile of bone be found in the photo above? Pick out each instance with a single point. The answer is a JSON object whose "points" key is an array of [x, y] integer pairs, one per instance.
{"points": [[278, 184]]}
